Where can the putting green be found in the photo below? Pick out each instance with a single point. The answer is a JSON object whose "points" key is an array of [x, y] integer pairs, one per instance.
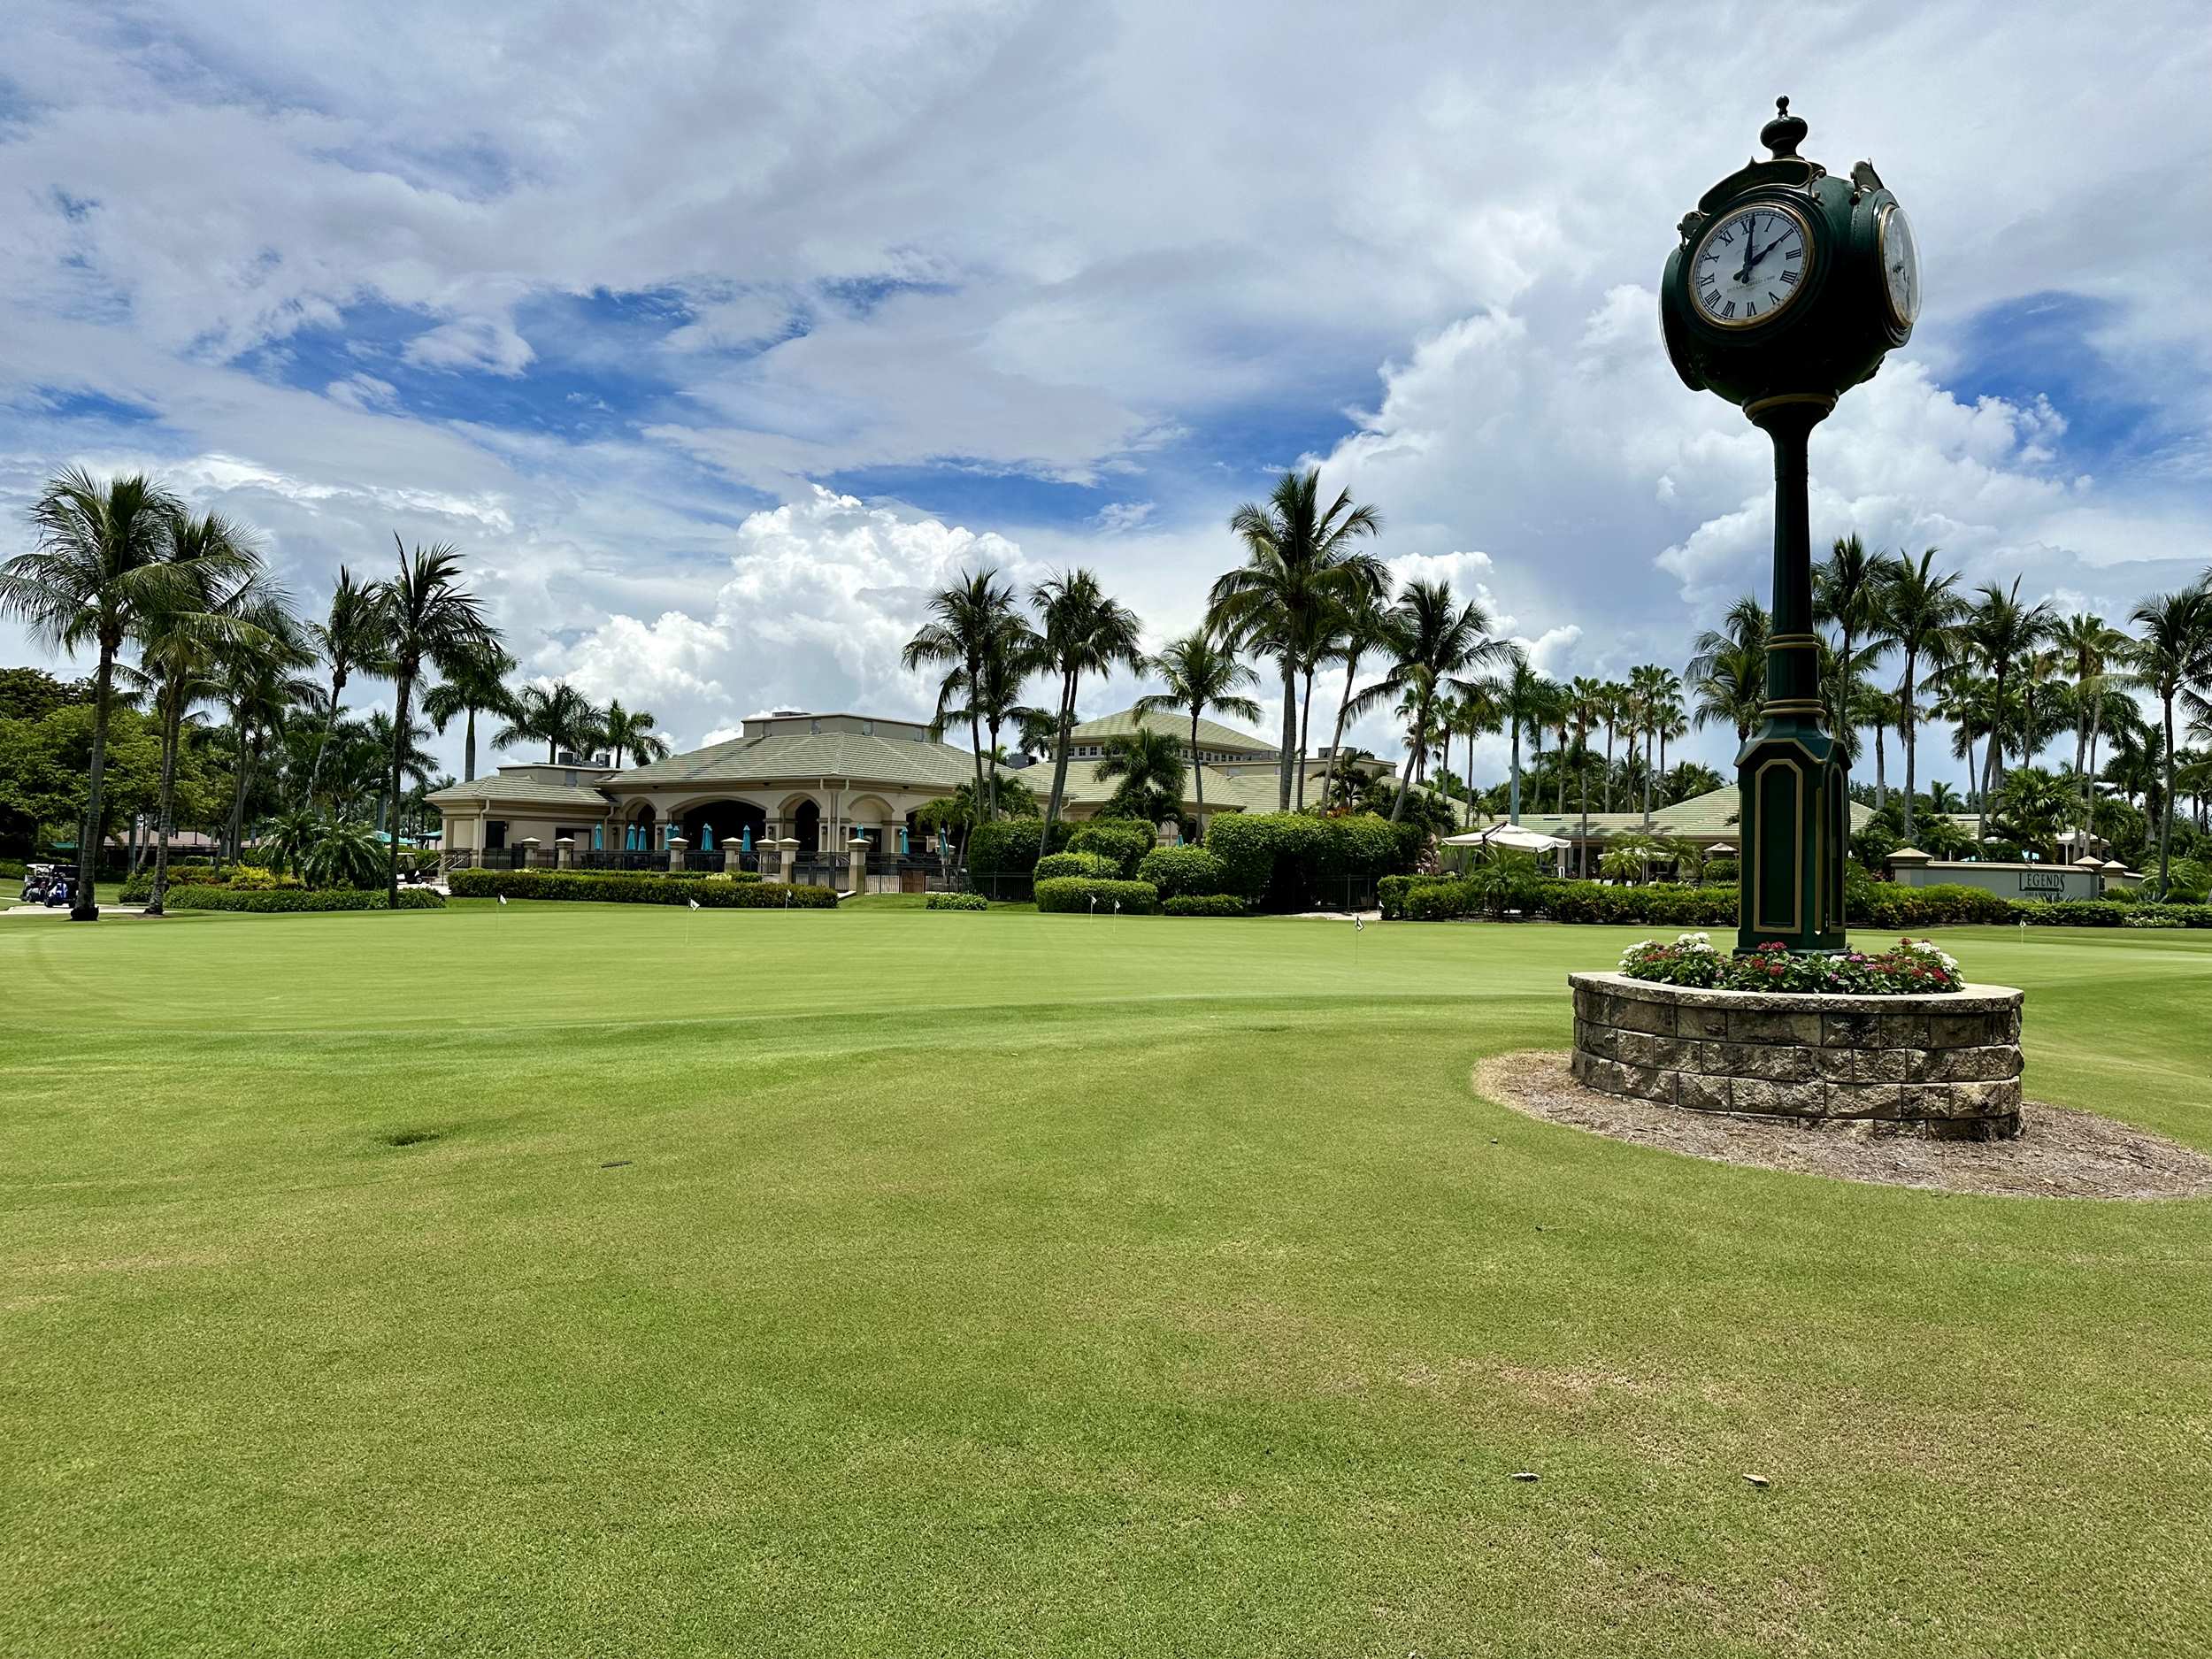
{"points": [[897, 1282]]}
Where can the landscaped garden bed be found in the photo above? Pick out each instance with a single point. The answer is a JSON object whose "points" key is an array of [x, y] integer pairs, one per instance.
{"points": [[735, 891]]}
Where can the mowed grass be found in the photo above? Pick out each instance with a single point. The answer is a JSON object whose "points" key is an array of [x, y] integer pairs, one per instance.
{"points": [[1027, 1284]]}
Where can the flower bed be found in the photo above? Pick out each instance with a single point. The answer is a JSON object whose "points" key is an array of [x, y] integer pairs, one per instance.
{"points": [[1914, 968]]}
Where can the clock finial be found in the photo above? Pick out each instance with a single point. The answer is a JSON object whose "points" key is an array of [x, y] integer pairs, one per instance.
{"points": [[1785, 132]]}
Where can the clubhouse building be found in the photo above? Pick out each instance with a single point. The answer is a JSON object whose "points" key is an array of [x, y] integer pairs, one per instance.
{"points": [[820, 780]]}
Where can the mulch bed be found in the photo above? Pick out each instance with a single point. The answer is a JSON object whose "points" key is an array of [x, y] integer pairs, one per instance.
{"points": [[2058, 1153]]}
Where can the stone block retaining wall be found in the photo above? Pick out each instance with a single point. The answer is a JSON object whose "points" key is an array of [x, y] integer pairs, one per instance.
{"points": [[1943, 1065]]}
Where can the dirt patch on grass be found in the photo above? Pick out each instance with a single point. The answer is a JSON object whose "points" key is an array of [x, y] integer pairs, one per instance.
{"points": [[2058, 1152]]}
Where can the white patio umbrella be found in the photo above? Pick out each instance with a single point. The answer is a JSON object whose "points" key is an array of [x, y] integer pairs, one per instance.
{"points": [[1517, 836]]}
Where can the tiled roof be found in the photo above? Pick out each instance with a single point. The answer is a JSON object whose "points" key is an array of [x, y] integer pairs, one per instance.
{"points": [[1211, 734], [803, 757], [527, 790], [1710, 816], [1085, 788]]}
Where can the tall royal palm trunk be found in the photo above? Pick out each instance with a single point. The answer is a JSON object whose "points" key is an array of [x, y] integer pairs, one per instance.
{"points": [[468, 749], [315, 768], [1416, 761], [1336, 735], [1060, 756], [2166, 805], [1513, 805], [85, 909], [1197, 771], [1290, 730], [1905, 733], [1881, 768], [165, 810], [1305, 731], [400, 715]]}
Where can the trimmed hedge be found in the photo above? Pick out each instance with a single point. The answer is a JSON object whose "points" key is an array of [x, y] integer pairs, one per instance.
{"points": [[641, 888], [956, 902], [1204, 905], [1124, 840], [1183, 872], [1284, 861], [1098, 866], [196, 895], [1391, 891], [1073, 894]]}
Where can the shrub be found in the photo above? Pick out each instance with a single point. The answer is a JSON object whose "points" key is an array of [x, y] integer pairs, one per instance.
{"points": [[12, 870], [1125, 841], [1391, 892], [650, 887], [1913, 968], [736, 875], [1011, 846], [1096, 865], [1203, 904], [2151, 915], [1183, 872], [1442, 900], [1084, 896], [1284, 861], [1721, 873], [196, 895], [956, 902]]}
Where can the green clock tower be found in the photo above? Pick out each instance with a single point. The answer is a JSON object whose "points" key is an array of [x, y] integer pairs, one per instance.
{"points": [[1787, 288]]}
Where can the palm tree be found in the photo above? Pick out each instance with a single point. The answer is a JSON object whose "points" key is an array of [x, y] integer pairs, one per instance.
{"points": [[1656, 705], [476, 684], [2173, 655], [1085, 632], [350, 639], [1299, 562], [964, 627], [1848, 592], [2001, 631], [1358, 627], [180, 642], [1149, 765], [430, 621], [1728, 673], [103, 558], [559, 716], [415, 761], [1878, 710], [1919, 615], [1586, 700], [258, 682], [1479, 711], [1436, 640], [2090, 648], [1525, 701], [1201, 673], [630, 732]]}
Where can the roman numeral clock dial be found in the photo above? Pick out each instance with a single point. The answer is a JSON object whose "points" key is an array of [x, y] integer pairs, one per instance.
{"points": [[1750, 266]]}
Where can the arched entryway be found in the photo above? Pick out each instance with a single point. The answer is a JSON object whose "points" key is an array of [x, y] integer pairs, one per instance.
{"points": [[729, 820], [806, 827], [638, 829]]}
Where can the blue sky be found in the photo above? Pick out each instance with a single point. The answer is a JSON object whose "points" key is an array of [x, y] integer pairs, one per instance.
{"points": [[715, 343]]}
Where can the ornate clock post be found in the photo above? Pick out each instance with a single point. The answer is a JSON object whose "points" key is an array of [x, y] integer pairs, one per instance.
{"points": [[1788, 289]]}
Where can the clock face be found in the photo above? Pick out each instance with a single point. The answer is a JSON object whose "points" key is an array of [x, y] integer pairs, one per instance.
{"points": [[1900, 265], [1750, 266]]}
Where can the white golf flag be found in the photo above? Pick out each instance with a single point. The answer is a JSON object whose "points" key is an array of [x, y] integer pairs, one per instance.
{"points": [[1358, 922], [1117, 907], [693, 903], [1093, 904], [503, 898]]}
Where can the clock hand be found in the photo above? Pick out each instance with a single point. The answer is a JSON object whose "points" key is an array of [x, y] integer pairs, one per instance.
{"points": [[1750, 235]]}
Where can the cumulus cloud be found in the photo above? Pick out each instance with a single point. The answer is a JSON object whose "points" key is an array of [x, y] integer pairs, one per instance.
{"points": [[1024, 269]]}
